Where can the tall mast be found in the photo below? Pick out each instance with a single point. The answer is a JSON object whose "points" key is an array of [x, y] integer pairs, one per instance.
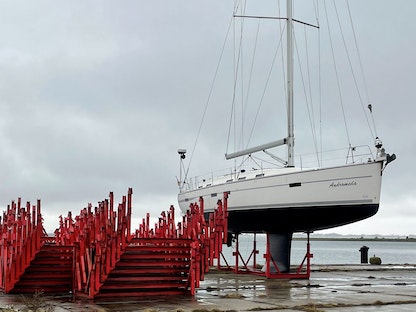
{"points": [[290, 119], [289, 140]]}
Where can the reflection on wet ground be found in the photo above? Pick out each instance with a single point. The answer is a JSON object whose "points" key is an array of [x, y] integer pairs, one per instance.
{"points": [[330, 288]]}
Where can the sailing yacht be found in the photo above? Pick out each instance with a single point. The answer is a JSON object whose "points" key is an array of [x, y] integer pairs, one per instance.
{"points": [[281, 201]]}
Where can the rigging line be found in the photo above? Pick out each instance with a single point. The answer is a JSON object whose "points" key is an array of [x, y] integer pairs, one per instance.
{"points": [[253, 159], [316, 8], [208, 99], [309, 103], [309, 79], [233, 106], [319, 140], [351, 68], [358, 51], [265, 87], [283, 62], [243, 161], [320, 86], [317, 16], [236, 8], [239, 72], [233, 103], [251, 72], [336, 74], [361, 66], [268, 78], [239, 75], [268, 162], [238, 64], [236, 5], [242, 66], [276, 18], [318, 137]]}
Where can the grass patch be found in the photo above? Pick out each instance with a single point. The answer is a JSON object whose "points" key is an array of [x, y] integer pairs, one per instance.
{"points": [[8, 309], [232, 296], [214, 310], [280, 307], [311, 307], [360, 284], [36, 303]]}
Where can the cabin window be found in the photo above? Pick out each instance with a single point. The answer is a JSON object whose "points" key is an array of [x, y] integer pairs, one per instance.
{"points": [[296, 184], [214, 195], [230, 180], [259, 175], [242, 178]]}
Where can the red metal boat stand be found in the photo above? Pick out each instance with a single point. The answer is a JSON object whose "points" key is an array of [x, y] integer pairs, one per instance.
{"points": [[271, 269]]}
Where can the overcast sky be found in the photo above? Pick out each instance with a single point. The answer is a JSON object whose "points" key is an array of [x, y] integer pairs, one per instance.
{"points": [[97, 96]]}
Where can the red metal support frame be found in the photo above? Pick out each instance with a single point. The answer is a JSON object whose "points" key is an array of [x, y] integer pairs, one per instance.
{"points": [[245, 268], [299, 272], [21, 238], [98, 238]]}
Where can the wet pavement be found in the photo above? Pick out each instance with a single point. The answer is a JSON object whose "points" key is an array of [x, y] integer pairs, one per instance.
{"points": [[330, 288]]}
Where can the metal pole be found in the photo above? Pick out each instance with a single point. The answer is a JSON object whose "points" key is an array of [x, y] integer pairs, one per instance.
{"points": [[290, 121]]}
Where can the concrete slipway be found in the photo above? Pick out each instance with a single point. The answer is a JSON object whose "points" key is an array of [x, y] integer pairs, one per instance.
{"points": [[330, 288]]}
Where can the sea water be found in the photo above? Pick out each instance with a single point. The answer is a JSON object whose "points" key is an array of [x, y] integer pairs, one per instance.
{"points": [[329, 251]]}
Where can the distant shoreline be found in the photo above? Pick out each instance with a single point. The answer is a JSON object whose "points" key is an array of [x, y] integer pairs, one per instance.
{"points": [[359, 239]]}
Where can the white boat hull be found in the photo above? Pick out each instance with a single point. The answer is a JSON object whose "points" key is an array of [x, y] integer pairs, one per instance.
{"points": [[297, 200]]}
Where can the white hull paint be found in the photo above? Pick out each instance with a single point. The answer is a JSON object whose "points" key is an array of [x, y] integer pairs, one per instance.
{"points": [[293, 192]]}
